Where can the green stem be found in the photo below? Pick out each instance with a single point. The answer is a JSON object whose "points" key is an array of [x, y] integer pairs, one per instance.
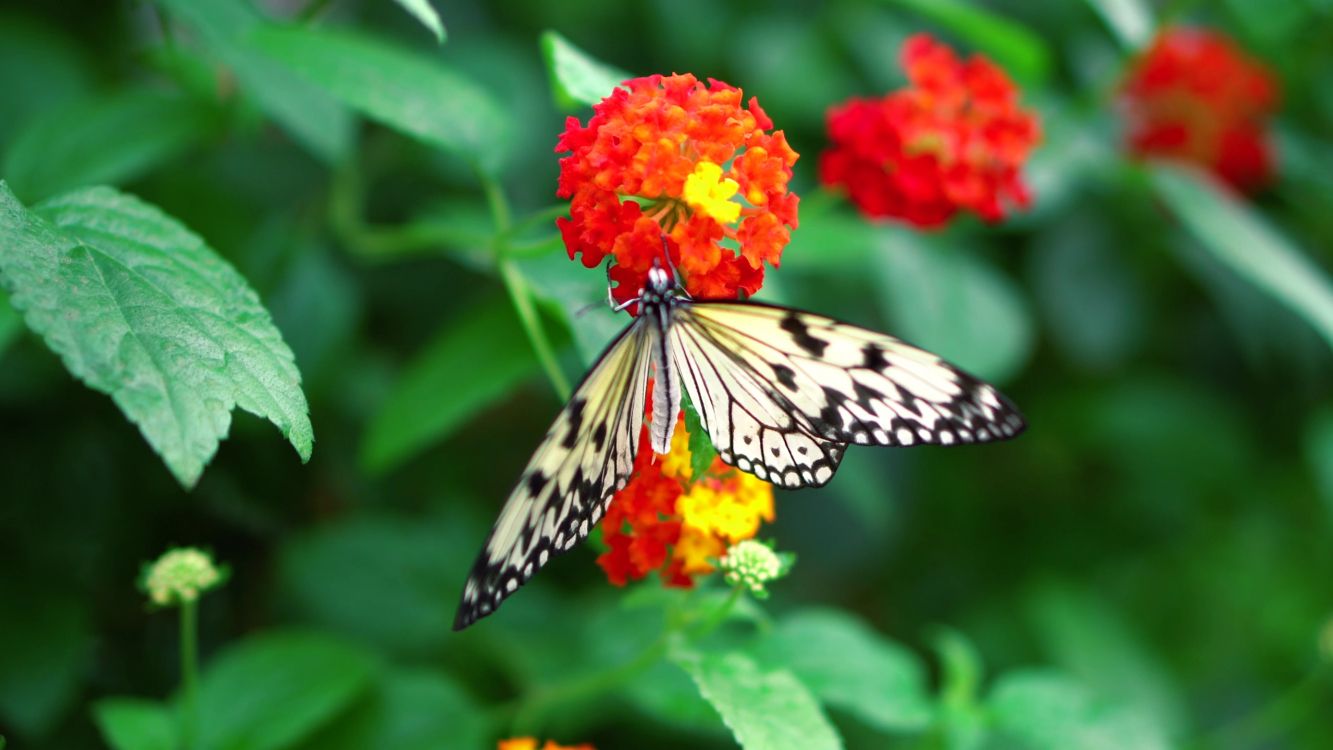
{"points": [[528, 716], [717, 616], [189, 673], [518, 289]]}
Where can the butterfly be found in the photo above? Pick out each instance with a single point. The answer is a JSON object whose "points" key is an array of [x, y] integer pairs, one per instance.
{"points": [[780, 392]]}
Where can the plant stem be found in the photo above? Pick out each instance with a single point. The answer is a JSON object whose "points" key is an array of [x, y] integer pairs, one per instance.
{"points": [[527, 717], [189, 673], [1291, 708], [518, 289]]}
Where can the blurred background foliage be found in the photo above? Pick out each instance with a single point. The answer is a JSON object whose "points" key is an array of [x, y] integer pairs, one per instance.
{"points": [[1148, 566]]}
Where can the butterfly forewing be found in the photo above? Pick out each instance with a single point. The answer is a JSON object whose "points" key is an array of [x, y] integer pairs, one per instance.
{"points": [[770, 381], [586, 456]]}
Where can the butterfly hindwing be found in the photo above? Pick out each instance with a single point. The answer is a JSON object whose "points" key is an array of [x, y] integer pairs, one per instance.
{"points": [[586, 456], [787, 380]]}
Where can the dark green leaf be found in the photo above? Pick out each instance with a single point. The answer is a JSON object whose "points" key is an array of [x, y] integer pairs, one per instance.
{"points": [[424, 12], [135, 724], [577, 79], [701, 447], [470, 365], [140, 308], [406, 91], [345, 576], [41, 68], [40, 680], [409, 710], [578, 296], [1018, 50], [272, 690], [764, 709], [319, 122], [1037, 710], [851, 667], [108, 139], [10, 323], [1319, 454], [954, 304], [1243, 241]]}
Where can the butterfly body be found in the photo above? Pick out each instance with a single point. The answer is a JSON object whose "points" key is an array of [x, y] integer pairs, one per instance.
{"points": [[780, 392]]}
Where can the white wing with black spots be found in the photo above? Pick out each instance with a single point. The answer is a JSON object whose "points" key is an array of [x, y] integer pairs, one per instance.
{"points": [[586, 456], [781, 390]]}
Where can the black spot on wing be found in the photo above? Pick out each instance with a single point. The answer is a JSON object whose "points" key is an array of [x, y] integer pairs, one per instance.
{"points": [[873, 358], [575, 416], [599, 435], [786, 376], [800, 335]]}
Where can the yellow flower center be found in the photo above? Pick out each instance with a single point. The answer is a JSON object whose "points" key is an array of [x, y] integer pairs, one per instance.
{"points": [[707, 191]]}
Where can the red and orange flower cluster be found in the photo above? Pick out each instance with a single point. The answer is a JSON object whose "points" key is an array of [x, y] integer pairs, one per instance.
{"points": [[669, 155], [1194, 96], [954, 139], [669, 521]]}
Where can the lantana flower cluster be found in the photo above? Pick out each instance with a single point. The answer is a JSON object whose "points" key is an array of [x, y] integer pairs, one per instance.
{"points": [[955, 139], [670, 156], [1194, 96], [667, 520]]}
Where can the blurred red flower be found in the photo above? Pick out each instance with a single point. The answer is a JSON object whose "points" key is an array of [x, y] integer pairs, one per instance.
{"points": [[666, 520], [1194, 96], [530, 743], [954, 139], [669, 155]]}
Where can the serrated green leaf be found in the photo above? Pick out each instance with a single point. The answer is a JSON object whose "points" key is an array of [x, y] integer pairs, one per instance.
{"points": [[424, 12], [954, 304], [103, 140], [272, 690], [764, 709], [1036, 710], [471, 364], [135, 724], [577, 79], [851, 667], [312, 117], [403, 90], [1242, 240], [701, 447], [1017, 49], [139, 308]]}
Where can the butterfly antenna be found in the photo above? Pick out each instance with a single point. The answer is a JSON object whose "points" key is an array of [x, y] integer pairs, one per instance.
{"points": [[666, 256]]}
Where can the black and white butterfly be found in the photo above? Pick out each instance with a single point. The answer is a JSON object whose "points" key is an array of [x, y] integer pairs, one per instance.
{"points": [[781, 393]]}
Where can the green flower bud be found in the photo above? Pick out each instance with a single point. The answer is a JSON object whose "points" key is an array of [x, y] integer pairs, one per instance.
{"points": [[754, 564], [180, 576]]}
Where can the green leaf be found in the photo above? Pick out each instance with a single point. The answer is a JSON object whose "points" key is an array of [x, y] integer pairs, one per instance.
{"points": [[135, 724], [141, 309], [578, 296], [1242, 240], [701, 447], [10, 323], [403, 90], [272, 690], [954, 304], [313, 118], [470, 365], [409, 709], [852, 668], [346, 575], [41, 68], [1085, 636], [106, 139], [39, 680], [1017, 49], [1036, 710], [577, 79], [1130, 20], [1319, 454], [764, 709], [424, 12]]}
